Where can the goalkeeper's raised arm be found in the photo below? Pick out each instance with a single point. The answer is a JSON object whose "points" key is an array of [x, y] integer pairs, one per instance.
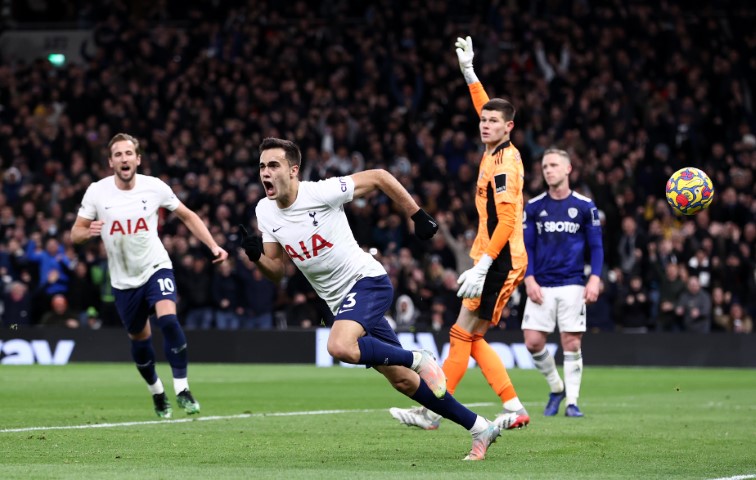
{"points": [[465, 56]]}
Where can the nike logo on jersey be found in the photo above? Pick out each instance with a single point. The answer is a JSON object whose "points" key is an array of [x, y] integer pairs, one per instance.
{"points": [[144, 201], [108, 208], [277, 229]]}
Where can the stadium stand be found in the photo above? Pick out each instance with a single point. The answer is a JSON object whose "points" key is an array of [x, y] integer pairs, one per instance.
{"points": [[633, 90]]}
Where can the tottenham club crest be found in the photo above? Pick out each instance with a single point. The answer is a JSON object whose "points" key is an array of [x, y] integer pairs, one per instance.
{"points": [[572, 212], [312, 215]]}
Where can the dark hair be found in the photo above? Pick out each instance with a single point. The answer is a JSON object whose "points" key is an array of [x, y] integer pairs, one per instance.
{"points": [[121, 137], [503, 106], [291, 150]]}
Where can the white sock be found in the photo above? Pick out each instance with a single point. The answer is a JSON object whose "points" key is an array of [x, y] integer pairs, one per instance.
{"points": [[513, 404], [573, 375], [156, 387], [545, 364], [416, 357], [180, 384], [481, 424]]}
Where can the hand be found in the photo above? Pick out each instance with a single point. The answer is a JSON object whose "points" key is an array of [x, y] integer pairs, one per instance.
{"points": [[472, 280], [219, 254], [592, 289], [95, 228], [252, 244], [465, 53], [425, 225], [533, 290]]}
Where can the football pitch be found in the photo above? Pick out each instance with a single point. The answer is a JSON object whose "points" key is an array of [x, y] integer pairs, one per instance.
{"points": [[303, 422]]}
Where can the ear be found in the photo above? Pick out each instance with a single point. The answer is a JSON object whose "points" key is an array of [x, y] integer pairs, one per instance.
{"points": [[294, 171], [139, 159]]}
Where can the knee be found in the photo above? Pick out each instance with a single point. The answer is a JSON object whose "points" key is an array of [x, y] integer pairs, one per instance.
{"points": [[344, 352], [534, 345]]}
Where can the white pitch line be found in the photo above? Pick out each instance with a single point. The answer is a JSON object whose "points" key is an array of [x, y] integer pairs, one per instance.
{"points": [[204, 419], [736, 477]]}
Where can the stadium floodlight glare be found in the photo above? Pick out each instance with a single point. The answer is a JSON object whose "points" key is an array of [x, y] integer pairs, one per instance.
{"points": [[56, 59]]}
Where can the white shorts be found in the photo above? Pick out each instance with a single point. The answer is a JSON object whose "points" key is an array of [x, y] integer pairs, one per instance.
{"points": [[562, 306]]}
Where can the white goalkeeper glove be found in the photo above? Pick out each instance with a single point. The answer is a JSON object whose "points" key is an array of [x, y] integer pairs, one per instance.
{"points": [[471, 281], [465, 56]]}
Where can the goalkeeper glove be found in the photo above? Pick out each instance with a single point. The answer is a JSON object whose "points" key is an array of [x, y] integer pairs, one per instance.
{"points": [[425, 225], [465, 56], [252, 244], [471, 281]]}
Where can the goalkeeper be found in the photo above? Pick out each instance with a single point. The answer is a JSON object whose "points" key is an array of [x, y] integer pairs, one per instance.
{"points": [[499, 255]]}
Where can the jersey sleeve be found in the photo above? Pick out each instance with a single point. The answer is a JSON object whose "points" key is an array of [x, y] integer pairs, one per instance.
{"points": [[335, 191], [88, 209], [594, 239], [506, 184], [479, 96], [168, 198]]}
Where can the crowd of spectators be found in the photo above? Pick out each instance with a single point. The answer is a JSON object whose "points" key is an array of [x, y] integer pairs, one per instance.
{"points": [[633, 90]]}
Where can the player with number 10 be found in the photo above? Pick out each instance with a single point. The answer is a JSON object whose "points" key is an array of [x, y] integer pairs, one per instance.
{"points": [[122, 209]]}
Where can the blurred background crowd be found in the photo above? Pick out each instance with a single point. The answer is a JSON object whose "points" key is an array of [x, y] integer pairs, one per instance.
{"points": [[633, 90]]}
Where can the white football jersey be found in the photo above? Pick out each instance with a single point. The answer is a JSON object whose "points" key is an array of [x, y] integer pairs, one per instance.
{"points": [[315, 233], [130, 233]]}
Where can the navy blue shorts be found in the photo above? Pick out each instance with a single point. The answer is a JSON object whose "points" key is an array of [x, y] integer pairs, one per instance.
{"points": [[367, 304], [135, 305]]}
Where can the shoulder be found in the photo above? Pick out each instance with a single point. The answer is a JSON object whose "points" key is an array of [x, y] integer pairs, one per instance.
{"points": [[150, 181], [582, 198], [101, 185], [264, 206], [537, 199]]}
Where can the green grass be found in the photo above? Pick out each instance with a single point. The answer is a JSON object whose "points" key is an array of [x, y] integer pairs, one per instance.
{"points": [[640, 423]]}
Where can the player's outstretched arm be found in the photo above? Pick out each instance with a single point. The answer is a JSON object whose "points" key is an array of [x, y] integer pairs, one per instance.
{"points": [[370, 180], [465, 54], [195, 225]]}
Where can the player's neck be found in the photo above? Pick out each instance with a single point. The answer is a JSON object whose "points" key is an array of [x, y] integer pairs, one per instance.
{"points": [[491, 147], [285, 201], [560, 192], [123, 185]]}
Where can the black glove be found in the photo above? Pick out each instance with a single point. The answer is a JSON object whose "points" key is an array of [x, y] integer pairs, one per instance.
{"points": [[252, 244], [425, 225]]}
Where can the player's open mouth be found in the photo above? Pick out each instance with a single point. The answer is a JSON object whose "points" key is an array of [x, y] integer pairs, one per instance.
{"points": [[125, 169], [269, 188]]}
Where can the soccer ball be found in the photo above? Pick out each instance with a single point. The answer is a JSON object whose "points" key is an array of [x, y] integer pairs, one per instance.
{"points": [[689, 190]]}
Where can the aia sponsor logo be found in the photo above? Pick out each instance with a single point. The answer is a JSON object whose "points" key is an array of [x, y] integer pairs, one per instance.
{"points": [[129, 227], [317, 243]]}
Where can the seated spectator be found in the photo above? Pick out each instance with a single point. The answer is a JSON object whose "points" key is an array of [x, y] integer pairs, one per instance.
{"points": [[720, 307], [670, 289], [194, 286], [59, 314], [405, 313], [694, 306], [17, 306], [633, 307], [226, 298], [258, 297], [737, 320]]}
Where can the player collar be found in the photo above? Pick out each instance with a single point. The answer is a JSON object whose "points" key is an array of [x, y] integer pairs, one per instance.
{"points": [[502, 147]]}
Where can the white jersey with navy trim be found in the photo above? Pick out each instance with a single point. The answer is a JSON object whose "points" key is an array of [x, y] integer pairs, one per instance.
{"points": [[130, 229], [315, 233]]}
